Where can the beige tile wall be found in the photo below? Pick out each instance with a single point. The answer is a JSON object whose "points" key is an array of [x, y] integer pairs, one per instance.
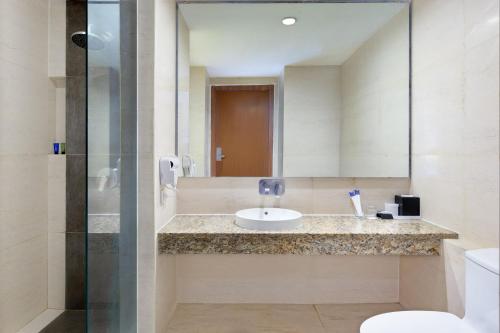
{"points": [[156, 130], [146, 176], [60, 111], [308, 195], [312, 111], [166, 291], [56, 203], [198, 125], [57, 38], [56, 188], [287, 279], [434, 283], [375, 99], [164, 99], [164, 137], [26, 99], [455, 138], [183, 80]]}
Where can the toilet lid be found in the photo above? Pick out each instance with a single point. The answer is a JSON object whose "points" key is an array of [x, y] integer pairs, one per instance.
{"points": [[415, 322]]}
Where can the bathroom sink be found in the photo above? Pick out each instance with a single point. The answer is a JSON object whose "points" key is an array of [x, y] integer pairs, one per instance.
{"points": [[268, 218]]}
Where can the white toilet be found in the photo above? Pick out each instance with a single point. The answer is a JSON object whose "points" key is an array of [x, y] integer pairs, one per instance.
{"points": [[481, 304]]}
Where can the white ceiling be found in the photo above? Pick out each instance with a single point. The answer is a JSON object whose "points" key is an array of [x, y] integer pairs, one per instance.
{"points": [[249, 40]]}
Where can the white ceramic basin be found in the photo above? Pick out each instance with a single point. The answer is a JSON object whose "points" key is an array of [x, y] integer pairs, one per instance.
{"points": [[268, 218]]}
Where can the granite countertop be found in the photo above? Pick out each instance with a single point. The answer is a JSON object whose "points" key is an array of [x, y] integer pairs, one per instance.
{"points": [[318, 235]]}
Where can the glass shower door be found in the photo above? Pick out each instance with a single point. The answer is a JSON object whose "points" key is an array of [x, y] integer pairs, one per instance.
{"points": [[111, 242]]}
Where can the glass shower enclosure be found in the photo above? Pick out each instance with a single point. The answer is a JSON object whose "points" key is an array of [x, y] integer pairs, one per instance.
{"points": [[111, 234]]}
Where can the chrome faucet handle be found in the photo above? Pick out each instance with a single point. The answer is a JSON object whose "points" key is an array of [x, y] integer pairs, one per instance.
{"points": [[272, 186], [278, 189]]}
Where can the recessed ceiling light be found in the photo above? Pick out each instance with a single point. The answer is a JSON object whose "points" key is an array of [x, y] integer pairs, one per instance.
{"points": [[289, 20]]}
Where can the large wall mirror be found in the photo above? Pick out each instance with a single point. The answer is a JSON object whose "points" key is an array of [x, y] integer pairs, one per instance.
{"points": [[293, 89]]}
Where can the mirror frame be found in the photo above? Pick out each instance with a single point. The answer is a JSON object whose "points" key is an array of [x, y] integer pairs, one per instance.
{"points": [[410, 69]]}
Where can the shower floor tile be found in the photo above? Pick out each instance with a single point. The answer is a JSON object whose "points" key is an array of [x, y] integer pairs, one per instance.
{"points": [[260, 318], [41, 321], [70, 321], [73, 321]]}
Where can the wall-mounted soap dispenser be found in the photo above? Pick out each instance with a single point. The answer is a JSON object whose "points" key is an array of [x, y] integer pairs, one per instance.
{"points": [[169, 166]]}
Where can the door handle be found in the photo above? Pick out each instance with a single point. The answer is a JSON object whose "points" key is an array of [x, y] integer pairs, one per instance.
{"points": [[219, 156]]}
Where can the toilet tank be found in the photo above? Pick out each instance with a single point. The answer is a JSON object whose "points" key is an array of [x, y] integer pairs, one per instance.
{"points": [[482, 289]]}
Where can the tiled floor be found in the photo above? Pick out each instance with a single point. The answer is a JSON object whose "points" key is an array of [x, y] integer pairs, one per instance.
{"points": [[260, 318]]}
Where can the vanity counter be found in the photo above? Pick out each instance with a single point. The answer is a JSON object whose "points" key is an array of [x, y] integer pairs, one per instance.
{"points": [[318, 235]]}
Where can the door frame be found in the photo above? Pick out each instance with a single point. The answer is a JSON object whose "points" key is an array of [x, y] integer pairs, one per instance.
{"points": [[261, 87]]}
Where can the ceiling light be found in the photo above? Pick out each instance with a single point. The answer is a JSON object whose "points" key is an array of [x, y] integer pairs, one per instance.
{"points": [[289, 20]]}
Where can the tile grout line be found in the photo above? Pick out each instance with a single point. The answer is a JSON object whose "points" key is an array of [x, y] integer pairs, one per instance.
{"points": [[319, 317]]}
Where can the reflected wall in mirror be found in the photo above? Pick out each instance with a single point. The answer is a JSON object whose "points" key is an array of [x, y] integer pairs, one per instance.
{"points": [[327, 96]]}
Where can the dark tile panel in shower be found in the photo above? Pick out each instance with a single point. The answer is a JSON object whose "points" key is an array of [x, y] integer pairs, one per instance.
{"points": [[76, 165], [75, 193], [103, 292], [76, 117], [103, 259], [128, 82], [76, 20], [75, 271]]}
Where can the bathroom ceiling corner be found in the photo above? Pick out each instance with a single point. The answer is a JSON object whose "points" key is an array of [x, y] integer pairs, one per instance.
{"points": [[229, 42]]}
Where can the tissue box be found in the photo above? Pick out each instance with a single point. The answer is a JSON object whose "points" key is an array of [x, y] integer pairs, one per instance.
{"points": [[409, 205]]}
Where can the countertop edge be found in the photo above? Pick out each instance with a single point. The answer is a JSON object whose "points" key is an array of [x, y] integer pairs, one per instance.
{"points": [[178, 242]]}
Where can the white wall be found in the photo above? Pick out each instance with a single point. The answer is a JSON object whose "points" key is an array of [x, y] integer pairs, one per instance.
{"points": [[375, 104], [455, 137], [198, 116], [27, 100], [311, 121]]}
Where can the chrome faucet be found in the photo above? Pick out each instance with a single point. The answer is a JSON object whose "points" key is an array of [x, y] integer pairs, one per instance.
{"points": [[272, 186]]}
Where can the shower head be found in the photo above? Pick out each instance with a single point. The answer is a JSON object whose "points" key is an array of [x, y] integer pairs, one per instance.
{"points": [[83, 39], [80, 39]]}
